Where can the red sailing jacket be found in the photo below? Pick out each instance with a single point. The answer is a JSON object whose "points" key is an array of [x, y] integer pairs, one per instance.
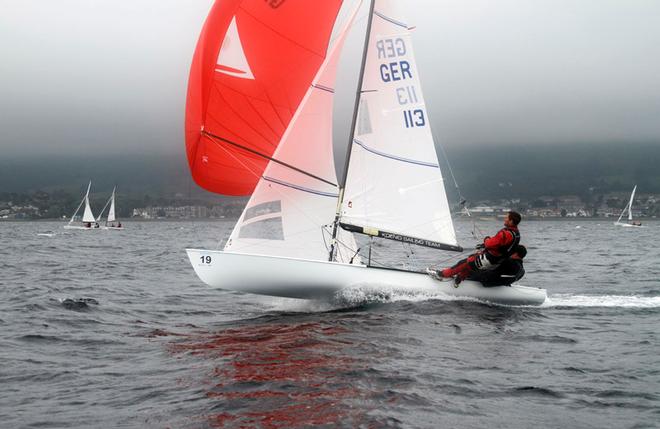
{"points": [[503, 242]]}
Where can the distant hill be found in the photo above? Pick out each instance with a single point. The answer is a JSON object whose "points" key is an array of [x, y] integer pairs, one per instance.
{"points": [[132, 174], [482, 172], [526, 172]]}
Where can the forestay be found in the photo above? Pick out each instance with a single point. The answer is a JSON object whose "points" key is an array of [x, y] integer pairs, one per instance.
{"points": [[393, 182]]}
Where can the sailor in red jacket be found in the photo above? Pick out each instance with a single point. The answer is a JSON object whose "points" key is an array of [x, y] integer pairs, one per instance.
{"points": [[494, 250]]}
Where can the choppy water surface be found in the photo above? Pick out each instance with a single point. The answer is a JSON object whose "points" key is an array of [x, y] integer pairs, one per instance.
{"points": [[113, 329]]}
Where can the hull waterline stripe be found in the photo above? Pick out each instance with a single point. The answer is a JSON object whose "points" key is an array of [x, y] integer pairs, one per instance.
{"points": [[388, 19], [300, 188], [219, 139], [394, 157]]}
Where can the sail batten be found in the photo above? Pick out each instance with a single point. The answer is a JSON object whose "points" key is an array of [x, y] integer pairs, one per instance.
{"points": [[395, 157], [301, 188], [391, 20]]}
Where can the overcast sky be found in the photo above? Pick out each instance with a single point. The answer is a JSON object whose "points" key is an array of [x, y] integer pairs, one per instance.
{"points": [[103, 76]]}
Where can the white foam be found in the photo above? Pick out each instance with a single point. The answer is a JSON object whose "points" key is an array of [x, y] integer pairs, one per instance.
{"points": [[369, 294], [292, 305], [355, 296], [628, 301]]}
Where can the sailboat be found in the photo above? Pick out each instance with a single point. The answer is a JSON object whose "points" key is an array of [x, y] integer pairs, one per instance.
{"points": [[628, 209], [111, 221], [88, 220], [259, 123]]}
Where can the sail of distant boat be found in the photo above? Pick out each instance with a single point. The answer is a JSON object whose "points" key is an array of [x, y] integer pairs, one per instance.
{"points": [[110, 219], [88, 220], [628, 209], [111, 211], [295, 236]]}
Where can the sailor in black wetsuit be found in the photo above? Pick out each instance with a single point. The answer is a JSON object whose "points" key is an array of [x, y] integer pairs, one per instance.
{"points": [[509, 271]]}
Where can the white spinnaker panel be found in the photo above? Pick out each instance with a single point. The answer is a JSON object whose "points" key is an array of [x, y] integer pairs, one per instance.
{"points": [[290, 213], [394, 182], [88, 216], [111, 211], [231, 58], [630, 203]]}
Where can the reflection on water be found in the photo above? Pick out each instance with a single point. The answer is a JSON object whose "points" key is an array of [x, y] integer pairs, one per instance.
{"points": [[278, 375]]}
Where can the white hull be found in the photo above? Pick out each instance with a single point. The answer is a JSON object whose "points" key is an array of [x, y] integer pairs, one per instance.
{"points": [[308, 279], [78, 227], [119, 228], [627, 225]]}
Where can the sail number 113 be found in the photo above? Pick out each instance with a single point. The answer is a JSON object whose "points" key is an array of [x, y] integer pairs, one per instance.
{"points": [[414, 118]]}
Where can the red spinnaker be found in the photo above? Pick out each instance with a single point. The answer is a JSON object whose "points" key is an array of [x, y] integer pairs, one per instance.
{"points": [[254, 61]]}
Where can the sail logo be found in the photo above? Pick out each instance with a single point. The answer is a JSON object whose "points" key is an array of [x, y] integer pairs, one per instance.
{"points": [[397, 70], [231, 58]]}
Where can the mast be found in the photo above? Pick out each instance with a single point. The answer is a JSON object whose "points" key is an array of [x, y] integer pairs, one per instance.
{"points": [[358, 96]]}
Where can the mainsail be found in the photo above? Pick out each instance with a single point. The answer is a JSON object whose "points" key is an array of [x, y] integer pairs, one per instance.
{"points": [[394, 186], [253, 65]]}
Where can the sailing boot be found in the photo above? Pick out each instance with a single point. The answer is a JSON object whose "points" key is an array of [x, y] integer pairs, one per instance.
{"points": [[434, 273]]}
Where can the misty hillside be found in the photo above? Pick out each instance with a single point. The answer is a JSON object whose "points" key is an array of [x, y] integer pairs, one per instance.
{"points": [[482, 172], [555, 170]]}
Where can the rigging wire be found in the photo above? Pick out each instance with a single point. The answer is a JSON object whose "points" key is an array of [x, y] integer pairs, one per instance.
{"points": [[462, 201]]}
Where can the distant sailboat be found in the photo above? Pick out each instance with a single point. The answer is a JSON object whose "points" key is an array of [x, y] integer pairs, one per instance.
{"points": [[88, 220], [628, 209], [111, 221]]}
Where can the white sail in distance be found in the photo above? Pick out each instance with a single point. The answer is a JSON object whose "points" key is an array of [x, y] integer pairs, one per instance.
{"points": [[292, 208], [630, 203], [111, 211], [393, 181], [628, 207], [88, 216]]}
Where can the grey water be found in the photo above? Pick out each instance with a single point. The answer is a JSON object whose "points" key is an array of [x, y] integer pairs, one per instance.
{"points": [[113, 329]]}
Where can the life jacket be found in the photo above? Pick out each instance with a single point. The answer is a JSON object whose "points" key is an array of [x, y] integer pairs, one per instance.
{"points": [[504, 251]]}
